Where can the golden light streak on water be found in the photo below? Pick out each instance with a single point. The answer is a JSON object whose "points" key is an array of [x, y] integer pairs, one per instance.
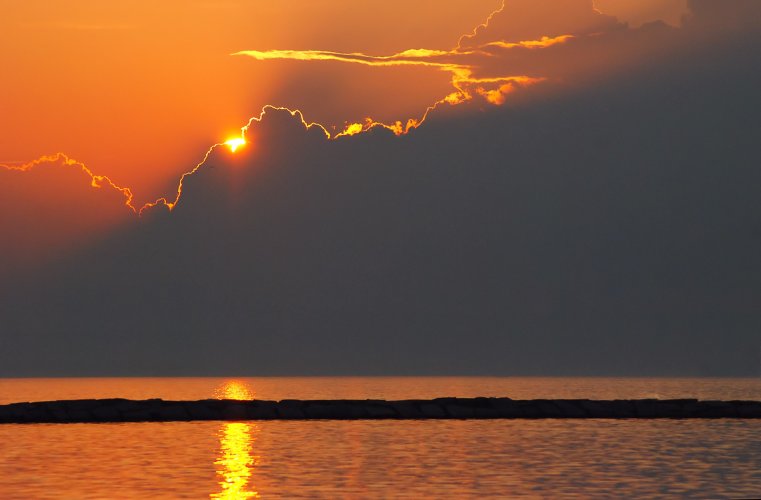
{"points": [[236, 461]]}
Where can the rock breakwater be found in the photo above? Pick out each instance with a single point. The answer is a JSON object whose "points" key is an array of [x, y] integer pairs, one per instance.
{"points": [[158, 410]]}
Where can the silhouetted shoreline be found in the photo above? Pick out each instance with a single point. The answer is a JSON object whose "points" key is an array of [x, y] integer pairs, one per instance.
{"points": [[158, 410]]}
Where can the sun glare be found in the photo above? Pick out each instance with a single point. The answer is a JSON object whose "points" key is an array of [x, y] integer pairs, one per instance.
{"points": [[234, 144]]}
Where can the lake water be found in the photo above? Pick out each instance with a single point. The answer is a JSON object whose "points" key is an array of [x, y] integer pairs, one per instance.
{"points": [[382, 459]]}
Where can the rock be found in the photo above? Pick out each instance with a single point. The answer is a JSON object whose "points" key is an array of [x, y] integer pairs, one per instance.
{"points": [[324, 410], [609, 409], [262, 410], [432, 410], [491, 407], [459, 410], [172, 412], [715, 409], [200, 411], [151, 410], [290, 409], [570, 408], [625, 408], [234, 410], [339, 410], [6, 415], [501, 408], [406, 409], [748, 409], [379, 410], [118, 410], [547, 409], [649, 408], [32, 412], [107, 413], [80, 410], [57, 410]]}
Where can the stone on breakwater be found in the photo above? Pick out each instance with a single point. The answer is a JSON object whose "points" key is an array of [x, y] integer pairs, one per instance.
{"points": [[58, 411], [747, 409], [337, 410], [200, 411], [609, 409], [715, 409], [77, 411], [262, 410], [432, 410], [290, 409], [457, 410], [235, 410], [571, 409], [379, 409], [406, 409]]}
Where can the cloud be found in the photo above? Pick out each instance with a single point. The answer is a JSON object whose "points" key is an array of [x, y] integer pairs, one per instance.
{"points": [[587, 235], [519, 20], [464, 61], [55, 205], [96, 181], [609, 229], [732, 14], [521, 44], [638, 12], [465, 84]]}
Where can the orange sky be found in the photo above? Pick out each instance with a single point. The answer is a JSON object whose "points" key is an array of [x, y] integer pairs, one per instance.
{"points": [[139, 91]]}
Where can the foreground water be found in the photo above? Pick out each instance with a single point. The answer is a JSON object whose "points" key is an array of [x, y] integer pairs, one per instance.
{"points": [[382, 459]]}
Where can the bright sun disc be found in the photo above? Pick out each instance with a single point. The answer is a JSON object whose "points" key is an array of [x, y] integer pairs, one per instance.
{"points": [[234, 144]]}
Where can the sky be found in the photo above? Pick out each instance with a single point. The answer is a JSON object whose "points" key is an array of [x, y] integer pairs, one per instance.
{"points": [[527, 187]]}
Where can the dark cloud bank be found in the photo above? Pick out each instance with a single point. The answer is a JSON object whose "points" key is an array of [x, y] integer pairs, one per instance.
{"points": [[614, 230]]}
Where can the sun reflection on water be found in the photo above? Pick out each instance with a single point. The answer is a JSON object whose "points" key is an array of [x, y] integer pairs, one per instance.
{"points": [[236, 460], [234, 389]]}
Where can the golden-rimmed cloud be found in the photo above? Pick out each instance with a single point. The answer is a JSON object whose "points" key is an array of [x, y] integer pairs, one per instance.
{"points": [[463, 65], [96, 181], [521, 44]]}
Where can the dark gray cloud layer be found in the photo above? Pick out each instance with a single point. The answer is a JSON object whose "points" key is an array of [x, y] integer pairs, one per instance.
{"points": [[614, 230]]}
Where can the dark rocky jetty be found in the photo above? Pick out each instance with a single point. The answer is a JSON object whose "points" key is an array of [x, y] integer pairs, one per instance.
{"points": [[158, 410]]}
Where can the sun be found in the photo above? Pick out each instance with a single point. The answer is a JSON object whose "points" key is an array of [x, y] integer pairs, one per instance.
{"points": [[235, 143]]}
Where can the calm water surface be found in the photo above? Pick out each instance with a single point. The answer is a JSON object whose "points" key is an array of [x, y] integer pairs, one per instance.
{"points": [[382, 459], [276, 388]]}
